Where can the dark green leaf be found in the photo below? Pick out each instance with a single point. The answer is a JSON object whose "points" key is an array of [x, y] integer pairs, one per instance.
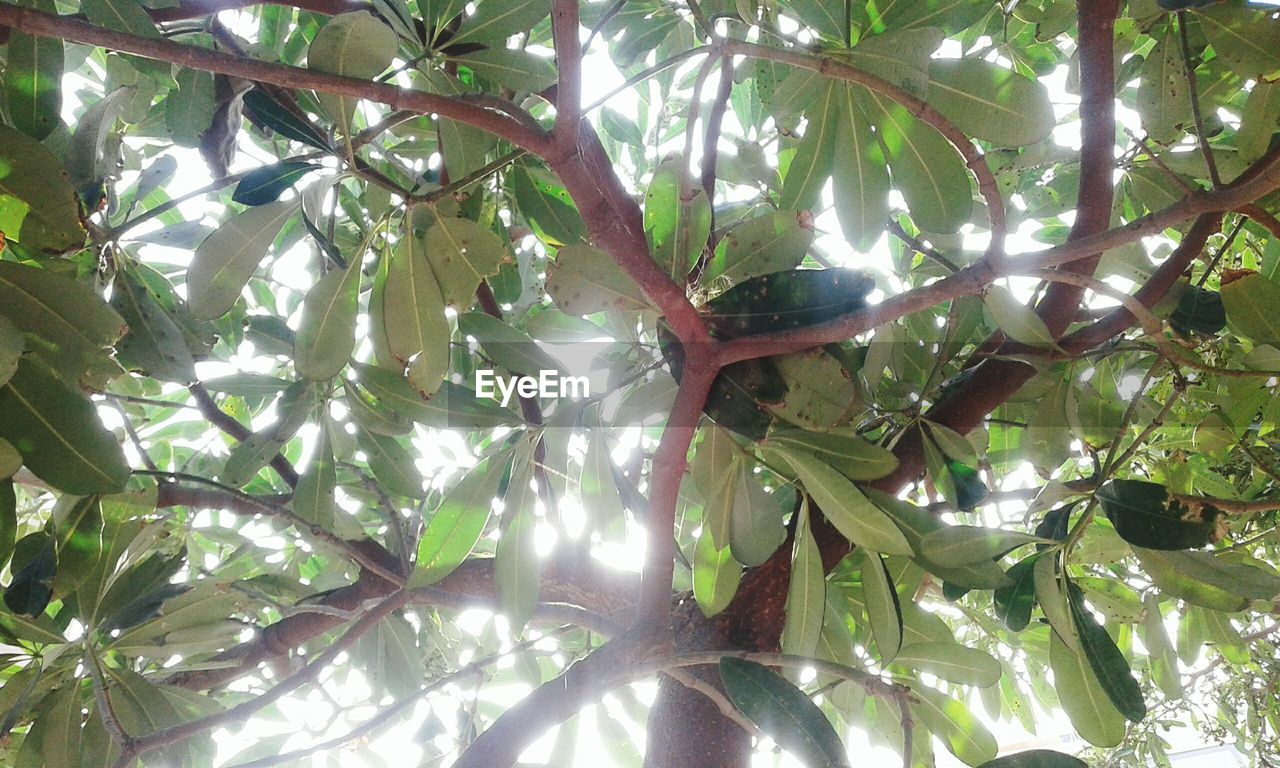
{"points": [[1146, 515], [265, 111], [58, 433], [783, 712], [33, 81], [1036, 758], [786, 300], [31, 588], [1014, 603], [266, 184], [1108, 664], [1199, 311]]}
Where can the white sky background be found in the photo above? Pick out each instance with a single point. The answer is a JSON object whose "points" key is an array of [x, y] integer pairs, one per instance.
{"points": [[304, 714]]}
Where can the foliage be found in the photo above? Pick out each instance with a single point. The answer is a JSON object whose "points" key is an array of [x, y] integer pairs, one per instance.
{"points": [[244, 463]]}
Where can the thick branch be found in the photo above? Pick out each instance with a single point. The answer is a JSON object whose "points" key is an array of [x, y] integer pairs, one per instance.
{"points": [[564, 28], [668, 468]]}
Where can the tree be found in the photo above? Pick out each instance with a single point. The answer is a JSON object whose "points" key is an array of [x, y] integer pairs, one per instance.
{"points": [[246, 463]]}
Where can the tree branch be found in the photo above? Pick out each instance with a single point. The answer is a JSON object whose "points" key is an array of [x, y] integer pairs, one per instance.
{"points": [[568, 45], [241, 712], [228, 424], [499, 124], [668, 468]]}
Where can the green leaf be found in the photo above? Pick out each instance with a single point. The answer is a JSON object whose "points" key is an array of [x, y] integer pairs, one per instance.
{"points": [[33, 81], [991, 103], [957, 545], [313, 499], [1161, 655], [677, 217], [73, 319], [266, 184], [37, 202], [496, 20], [949, 720], [1218, 581], [825, 18], [714, 467], [155, 344], [927, 170], [515, 69], [715, 575], [326, 333], [546, 206], [621, 127], [356, 44], [516, 563], [1105, 659], [1259, 121], [188, 112], [915, 523], [950, 15], [952, 662], [224, 262], [845, 507], [412, 317], [1018, 321], [58, 433], [369, 413], [456, 525], [1036, 758], [509, 347], [121, 15], [755, 528], [783, 712], [61, 725], [462, 253], [583, 281], [1013, 603], [770, 242], [806, 591], [1053, 600], [267, 111], [811, 164], [92, 157], [597, 486], [1247, 39], [31, 586], [859, 177], [1249, 302], [392, 464], [883, 608], [786, 300], [77, 539], [1198, 311], [8, 519], [255, 451], [1163, 101], [1090, 710], [852, 456], [12, 345], [1146, 515]]}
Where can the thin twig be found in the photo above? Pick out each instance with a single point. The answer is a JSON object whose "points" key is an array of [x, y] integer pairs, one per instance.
{"points": [[241, 712], [1193, 92]]}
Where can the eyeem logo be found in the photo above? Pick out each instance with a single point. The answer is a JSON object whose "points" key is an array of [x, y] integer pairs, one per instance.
{"points": [[547, 384]]}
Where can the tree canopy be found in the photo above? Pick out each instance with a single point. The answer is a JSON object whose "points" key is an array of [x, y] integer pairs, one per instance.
{"points": [[933, 350]]}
